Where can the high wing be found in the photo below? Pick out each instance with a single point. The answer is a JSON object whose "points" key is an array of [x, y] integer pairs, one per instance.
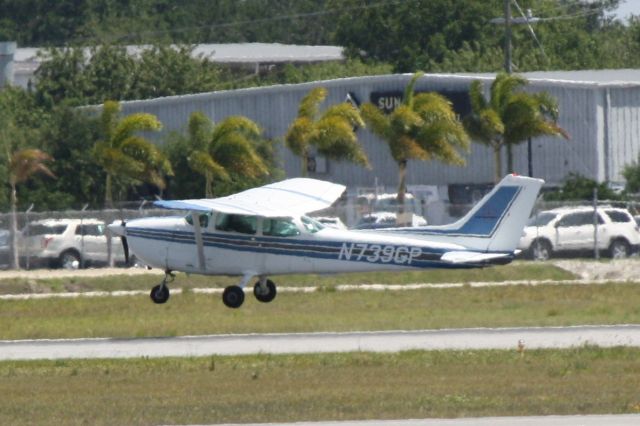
{"points": [[289, 197]]}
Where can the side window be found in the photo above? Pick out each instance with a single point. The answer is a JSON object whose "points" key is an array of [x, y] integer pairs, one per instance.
{"points": [[202, 218], [617, 216], [89, 230], [279, 228], [569, 220], [236, 223]]}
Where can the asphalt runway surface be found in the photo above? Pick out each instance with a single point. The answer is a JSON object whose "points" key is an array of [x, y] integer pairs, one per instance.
{"points": [[593, 420], [297, 343]]}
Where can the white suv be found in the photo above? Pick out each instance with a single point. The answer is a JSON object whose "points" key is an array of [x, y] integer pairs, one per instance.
{"points": [[68, 243], [572, 230]]}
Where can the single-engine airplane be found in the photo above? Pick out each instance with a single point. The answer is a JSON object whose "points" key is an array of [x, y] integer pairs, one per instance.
{"points": [[265, 231]]}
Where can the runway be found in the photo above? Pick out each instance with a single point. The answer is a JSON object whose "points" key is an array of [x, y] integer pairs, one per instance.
{"points": [[298, 343]]}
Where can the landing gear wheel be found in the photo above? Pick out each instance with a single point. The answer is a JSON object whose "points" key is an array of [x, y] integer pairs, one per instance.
{"points": [[160, 294], [267, 294], [233, 296]]}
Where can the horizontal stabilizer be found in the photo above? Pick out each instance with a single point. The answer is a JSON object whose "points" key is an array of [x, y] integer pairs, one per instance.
{"points": [[470, 257]]}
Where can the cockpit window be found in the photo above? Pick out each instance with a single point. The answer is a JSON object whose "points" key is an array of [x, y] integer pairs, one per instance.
{"points": [[236, 223], [202, 218], [311, 225], [279, 227]]}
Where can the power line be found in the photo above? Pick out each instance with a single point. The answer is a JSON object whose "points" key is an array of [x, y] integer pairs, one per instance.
{"points": [[276, 18]]}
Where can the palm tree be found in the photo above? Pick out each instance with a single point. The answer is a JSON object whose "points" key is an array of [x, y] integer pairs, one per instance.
{"points": [[510, 117], [220, 150], [23, 164], [123, 154], [332, 132], [423, 127]]}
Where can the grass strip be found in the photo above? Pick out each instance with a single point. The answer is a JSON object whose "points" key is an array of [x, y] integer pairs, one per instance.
{"points": [[194, 314], [287, 388], [516, 271]]}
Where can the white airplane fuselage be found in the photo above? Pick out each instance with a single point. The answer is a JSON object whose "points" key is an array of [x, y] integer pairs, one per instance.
{"points": [[170, 243]]}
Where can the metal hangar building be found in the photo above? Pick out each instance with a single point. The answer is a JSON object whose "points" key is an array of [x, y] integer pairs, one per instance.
{"points": [[599, 109]]}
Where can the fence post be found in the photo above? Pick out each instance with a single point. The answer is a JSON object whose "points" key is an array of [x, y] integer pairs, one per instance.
{"points": [[596, 252], [26, 227]]}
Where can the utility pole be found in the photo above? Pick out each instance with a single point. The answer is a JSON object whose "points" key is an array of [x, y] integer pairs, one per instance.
{"points": [[507, 36]]}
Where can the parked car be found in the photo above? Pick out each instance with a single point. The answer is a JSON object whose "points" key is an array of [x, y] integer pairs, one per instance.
{"points": [[386, 220], [68, 243], [5, 249], [567, 230]]}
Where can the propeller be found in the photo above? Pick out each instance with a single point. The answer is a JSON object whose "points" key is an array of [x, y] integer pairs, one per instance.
{"points": [[118, 228], [125, 244]]}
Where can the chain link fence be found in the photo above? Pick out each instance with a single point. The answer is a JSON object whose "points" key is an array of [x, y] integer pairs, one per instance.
{"points": [[44, 237]]}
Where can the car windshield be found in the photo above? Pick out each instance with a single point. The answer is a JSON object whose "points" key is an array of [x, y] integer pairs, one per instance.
{"points": [[541, 219]]}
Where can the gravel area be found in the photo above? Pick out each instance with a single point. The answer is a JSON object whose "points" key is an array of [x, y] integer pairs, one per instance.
{"points": [[612, 270]]}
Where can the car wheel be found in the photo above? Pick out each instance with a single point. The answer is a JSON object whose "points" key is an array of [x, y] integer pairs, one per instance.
{"points": [[70, 260], [619, 249], [540, 250]]}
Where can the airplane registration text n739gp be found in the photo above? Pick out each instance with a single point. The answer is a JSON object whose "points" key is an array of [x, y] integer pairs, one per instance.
{"points": [[379, 253]]}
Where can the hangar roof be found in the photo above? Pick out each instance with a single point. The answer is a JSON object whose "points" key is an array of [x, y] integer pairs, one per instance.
{"points": [[599, 77]]}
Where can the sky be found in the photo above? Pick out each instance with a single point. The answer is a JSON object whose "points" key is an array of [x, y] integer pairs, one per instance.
{"points": [[628, 7]]}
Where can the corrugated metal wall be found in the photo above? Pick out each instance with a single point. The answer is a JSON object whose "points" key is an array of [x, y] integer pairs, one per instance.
{"points": [[583, 113]]}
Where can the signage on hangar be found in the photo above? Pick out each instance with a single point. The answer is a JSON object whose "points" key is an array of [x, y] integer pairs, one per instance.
{"points": [[387, 101]]}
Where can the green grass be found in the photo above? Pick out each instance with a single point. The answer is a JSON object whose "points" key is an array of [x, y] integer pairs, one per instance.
{"points": [[515, 271], [285, 388], [191, 313]]}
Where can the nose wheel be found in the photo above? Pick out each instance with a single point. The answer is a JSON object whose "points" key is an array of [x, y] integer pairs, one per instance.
{"points": [[160, 293]]}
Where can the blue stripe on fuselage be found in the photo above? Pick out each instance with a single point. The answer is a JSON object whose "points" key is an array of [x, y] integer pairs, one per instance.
{"points": [[395, 254]]}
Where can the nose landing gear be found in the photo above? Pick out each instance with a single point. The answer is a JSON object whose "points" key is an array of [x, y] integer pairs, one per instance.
{"points": [[160, 293]]}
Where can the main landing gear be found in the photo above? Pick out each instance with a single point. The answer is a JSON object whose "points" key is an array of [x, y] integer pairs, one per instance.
{"points": [[233, 296], [160, 293], [264, 290]]}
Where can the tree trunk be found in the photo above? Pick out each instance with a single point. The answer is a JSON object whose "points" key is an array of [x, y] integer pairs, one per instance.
{"points": [[498, 161], [15, 256], [402, 189], [509, 158], [108, 193], [305, 158], [208, 191]]}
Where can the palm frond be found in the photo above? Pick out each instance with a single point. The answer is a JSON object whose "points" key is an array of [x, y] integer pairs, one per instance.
{"points": [[347, 112], [130, 124], [298, 135], [109, 118], [407, 98], [26, 162], [201, 162], [200, 129], [237, 153], [310, 104], [476, 96], [379, 123], [235, 124], [335, 139]]}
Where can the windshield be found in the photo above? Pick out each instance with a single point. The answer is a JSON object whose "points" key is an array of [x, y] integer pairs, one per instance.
{"points": [[541, 219], [311, 225]]}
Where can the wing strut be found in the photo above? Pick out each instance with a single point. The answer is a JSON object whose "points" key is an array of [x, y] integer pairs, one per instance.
{"points": [[195, 216]]}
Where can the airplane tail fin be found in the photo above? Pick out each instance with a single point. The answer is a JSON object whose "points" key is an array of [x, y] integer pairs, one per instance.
{"points": [[494, 225]]}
